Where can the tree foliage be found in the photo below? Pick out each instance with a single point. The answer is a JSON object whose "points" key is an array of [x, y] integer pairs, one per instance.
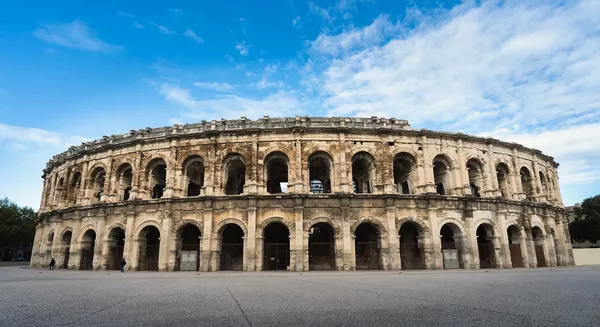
{"points": [[586, 226], [17, 224]]}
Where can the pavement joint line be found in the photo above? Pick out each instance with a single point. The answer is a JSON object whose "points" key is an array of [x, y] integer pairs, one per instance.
{"points": [[238, 305], [99, 310], [440, 302]]}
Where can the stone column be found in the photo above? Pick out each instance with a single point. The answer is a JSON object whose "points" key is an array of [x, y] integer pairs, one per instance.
{"points": [[344, 185], [436, 244], [539, 190], [530, 250], [35, 248], [99, 259], [75, 247], [394, 243], [494, 188], [339, 251], [551, 252], [465, 249], [504, 242], [251, 237], [347, 242], [165, 235], [298, 186], [305, 256], [137, 191], [205, 254], [518, 193], [461, 175], [300, 250], [496, 242], [128, 246]]}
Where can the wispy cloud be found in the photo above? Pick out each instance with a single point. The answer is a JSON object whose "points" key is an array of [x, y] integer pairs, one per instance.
{"points": [[242, 48], [243, 25], [74, 35], [177, 11], [296, 22], [27, 135], [189, 33], [138, 25], [120, 13], [231, 106], [214, 86], [163, 29], [265, 83], [229, 57]]}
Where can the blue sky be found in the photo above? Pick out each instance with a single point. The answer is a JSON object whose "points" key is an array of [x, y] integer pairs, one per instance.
{"points": [[522, 71]]}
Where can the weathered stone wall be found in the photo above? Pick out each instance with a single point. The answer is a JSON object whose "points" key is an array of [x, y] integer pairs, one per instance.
{"points": [[84, 191]]}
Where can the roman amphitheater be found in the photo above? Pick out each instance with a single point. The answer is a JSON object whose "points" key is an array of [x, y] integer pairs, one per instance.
{"points": [[300, 194]]}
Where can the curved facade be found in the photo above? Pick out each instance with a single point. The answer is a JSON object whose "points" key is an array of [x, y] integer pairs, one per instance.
{"points": [[299, 194]]}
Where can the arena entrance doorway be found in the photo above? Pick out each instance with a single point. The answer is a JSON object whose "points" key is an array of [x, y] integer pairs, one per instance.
{"points": [[411, 251], [514, 244], [88, 244], [190, 248], [321, 249], [485, 246], [116, 244], [276, 247], [232, 248], [451, 246], [149, 249], [367, 247], [66, 248]]}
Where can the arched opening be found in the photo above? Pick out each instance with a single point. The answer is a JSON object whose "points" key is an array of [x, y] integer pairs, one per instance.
{"points": [[367, 244], [149, 247], [363, 172], [319, 172], [194, 174], [98, 178], [404, 165], [503, 182], [88, 244], [451, 240], [538, 240], [411, 250], [441, 175], [485, 245], [66, 248], [476, 176], [232, 248], [277, 172], [73, 191], [189, 259], [514, 244], [157, 178], [235, 170], [276, 247], [321, 248], [527, 183], [58, 193], [124, 181], [116, 245]]}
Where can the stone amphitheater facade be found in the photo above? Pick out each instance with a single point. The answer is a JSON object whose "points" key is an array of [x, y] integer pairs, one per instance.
{"points": [[299, 194]]}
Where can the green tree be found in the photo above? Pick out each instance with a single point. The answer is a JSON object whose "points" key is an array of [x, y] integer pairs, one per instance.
{"points": [[586, 226], [17, 224]]}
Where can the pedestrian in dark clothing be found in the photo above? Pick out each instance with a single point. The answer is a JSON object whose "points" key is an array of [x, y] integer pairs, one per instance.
{"points": [[123, 263], [52, 263]]}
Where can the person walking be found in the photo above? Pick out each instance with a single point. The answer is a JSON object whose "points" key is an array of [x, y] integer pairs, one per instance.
{"points": [[123, 263], [52, 263]]}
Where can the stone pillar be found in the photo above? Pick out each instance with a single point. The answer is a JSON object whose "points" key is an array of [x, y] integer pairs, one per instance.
{"points": [[539, 190], [251, 237], [552, 260], [504, 242], [75, 247], [342, 170], [300, 248], [493, 187], [530, 250], [394, 243], [436, 244], [464, 246], [35, 247], [498, 259], [55, 244], [299, 182], [165, 235], [518, 193], [128, 246], [99, 259], [305, 256], [347, 242], [461, 175], [207, 233]]}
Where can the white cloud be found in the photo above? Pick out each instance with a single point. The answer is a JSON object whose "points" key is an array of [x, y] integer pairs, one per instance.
{"points": [[321, 12], [242, 48], [19, 136], [120, 13], [138, 25], [163, 29], [189, 33], [296, 22], [214, 86], [265, 83], [74, 35], [229, 57], [243, 25], [231, 106], [177, 11]]}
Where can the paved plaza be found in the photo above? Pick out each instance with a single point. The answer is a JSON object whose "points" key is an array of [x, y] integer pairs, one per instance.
{"points": [[518, 297]]}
